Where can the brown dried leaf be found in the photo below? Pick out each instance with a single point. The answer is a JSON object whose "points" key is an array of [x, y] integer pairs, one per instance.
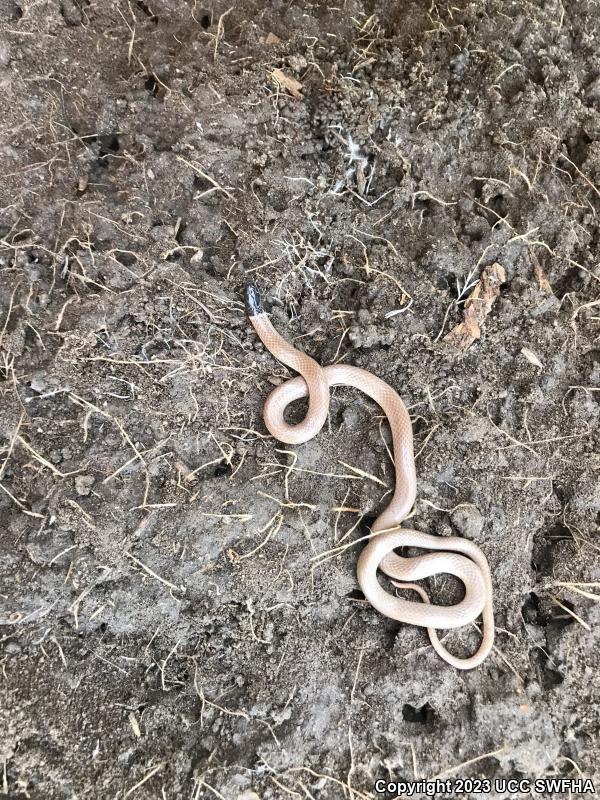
{"points": [[477, 307], [291, 84], [464, 334], [540, 274]]}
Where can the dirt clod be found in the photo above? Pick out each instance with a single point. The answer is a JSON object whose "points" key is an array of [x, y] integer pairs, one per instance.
{"points": [[468, 521]]}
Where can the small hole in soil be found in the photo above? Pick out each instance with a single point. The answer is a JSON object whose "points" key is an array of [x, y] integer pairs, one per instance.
{"points": [[476, 231], [147, 11], [542, 560], [355, 594], [151, 85], [391, 629], [543, 552], [423, 715], [205, 21], [109, 145], [71, 13], [498, 204], [577, 147], [221, 470], [530, 610], [201, 184], [366, 524], [447, 283], [551, 616], [125, 258], [549, 677], [558, 617], [279, 201], [419, 425], [573, 280], [559, 533]]}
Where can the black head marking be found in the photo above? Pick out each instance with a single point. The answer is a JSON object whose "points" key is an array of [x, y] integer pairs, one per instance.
{"points": [[253, 300]]}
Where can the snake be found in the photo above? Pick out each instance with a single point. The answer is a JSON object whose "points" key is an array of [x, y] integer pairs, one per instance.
{"points": [[452, 555]]}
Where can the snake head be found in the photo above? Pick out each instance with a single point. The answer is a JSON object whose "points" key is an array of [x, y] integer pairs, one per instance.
{"points": [[253, 300]]}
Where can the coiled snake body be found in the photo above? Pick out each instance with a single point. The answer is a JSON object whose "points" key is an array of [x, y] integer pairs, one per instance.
{"points": [[453, 555]]}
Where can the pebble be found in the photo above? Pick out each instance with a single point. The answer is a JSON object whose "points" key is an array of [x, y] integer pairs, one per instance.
{"points": [[350, 416], [83, 484], [593, 90], [4, 53], [468, 520]]}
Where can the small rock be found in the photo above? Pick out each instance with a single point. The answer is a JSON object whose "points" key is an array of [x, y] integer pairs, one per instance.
{"points": [[477, 429], [55, 456], [71, 13], [4, 53], [593, 90], [468, 521], [197, 257], [9, 11], [38, 384], [350, 416], [297, 63], [83, 484]]}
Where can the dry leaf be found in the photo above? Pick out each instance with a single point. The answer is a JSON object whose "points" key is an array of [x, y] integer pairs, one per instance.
{"points": [[291, 84], [531, 357], [540, 274], [272, 39], [477, 307]]}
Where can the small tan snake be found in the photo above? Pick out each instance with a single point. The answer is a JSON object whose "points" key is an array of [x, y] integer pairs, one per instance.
{"points": [[456, 556]]}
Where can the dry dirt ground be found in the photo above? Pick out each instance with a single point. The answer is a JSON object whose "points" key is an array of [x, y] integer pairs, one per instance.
{"points": [[171, 627]]}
